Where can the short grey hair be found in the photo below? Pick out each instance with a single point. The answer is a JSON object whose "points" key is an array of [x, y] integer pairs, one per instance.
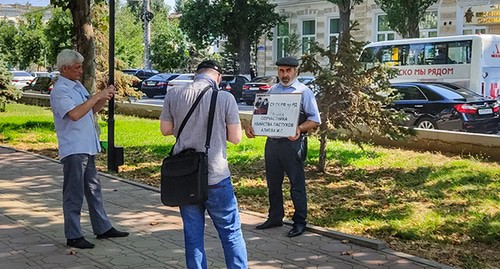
{"points": [[68, 57]]}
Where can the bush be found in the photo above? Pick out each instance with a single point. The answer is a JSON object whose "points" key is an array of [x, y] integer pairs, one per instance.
{"points": [[8, 93]]}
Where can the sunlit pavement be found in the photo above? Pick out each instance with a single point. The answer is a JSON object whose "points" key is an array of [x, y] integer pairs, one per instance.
{"points": [[31, 229]]}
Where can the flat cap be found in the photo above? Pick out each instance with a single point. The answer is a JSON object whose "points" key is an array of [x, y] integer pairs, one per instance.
{"points": [[209, 64], [287, 61]]}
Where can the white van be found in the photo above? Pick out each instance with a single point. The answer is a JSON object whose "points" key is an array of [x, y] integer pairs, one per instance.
{"points": [[471, 61]]}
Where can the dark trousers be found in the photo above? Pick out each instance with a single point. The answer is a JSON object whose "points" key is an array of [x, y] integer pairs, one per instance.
{"points": [[80, 179], [285, 156]]}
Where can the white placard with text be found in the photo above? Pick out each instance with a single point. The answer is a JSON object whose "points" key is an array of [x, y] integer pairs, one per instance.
{"points": [[276, 115]]}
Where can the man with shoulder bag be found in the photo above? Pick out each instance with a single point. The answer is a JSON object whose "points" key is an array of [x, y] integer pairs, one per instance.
{"points": [[185, 115]]}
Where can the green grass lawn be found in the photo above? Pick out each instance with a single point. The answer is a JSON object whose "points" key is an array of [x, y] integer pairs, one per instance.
{"points": [[444, 208]]}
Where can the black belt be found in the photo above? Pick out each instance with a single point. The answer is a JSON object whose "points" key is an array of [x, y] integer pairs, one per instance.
{"points": [[278, 140], [285, 139]]}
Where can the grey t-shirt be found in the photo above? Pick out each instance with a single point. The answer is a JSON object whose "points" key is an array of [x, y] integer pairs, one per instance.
{"points": [[177, 103]]}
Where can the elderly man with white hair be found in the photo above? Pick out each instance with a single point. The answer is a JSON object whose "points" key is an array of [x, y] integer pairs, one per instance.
{"points": [[78, 141]]}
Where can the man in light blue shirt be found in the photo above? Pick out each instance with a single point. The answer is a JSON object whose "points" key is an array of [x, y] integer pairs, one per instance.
{"points": [[78, 141], [287, 155]]}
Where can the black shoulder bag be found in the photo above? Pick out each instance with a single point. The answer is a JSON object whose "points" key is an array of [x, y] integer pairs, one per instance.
{"points": [[184, 176]]}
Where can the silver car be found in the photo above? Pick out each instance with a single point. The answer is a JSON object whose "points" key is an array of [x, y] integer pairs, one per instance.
{"points": [[181, 80], [21, 78]]}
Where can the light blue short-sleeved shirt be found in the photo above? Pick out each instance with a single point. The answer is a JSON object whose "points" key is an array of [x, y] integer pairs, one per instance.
{"points": [[73, 137], [309, 105]]}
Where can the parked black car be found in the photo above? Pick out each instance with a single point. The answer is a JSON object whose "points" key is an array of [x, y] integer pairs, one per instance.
{"points": [[257, 85], [446, 106], [233, 84], [140, 74], [40, 84], [157, 84]]}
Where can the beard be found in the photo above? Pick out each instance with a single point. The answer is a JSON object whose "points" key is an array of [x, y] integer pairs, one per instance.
{"points": [[287, 82]]}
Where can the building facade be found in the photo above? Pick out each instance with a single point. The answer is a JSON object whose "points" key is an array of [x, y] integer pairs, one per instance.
{"points": [[16, 12], [318, 21]]}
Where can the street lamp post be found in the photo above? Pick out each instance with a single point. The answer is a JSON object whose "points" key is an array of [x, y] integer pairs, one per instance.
{"points": [[146, 17], [115, 154], [44, 59]]}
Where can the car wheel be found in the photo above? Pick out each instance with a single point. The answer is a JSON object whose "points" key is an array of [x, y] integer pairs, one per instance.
{"points": [[250, 103], [426, 123], [150, 95]]}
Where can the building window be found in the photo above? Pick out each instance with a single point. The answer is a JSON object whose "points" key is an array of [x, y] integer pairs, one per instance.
{"points": [[470, 30], [429, 24], [308, 35], [334, 25], [282, 39], [383, 31]]}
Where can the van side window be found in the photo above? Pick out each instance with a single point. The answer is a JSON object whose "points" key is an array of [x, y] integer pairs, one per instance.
{"points": [[425, 53], [411, 93]]}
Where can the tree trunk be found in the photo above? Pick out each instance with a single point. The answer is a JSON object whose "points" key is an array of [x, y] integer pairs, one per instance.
{"points": [[323, 141], [413, 29], [80, 9], [244, 55], [344, 23], [244, 47]]}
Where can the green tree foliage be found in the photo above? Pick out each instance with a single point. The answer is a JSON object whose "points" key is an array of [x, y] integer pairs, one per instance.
{"points": [[169, 46], [129, 46], [404, 15], [345, 8], [85, 19], [242, 22], [81, 12], [352, 98], [58, 33], [179, 5], [229, 59], [292, 44], [199, 24], [8, 31], [157, 7], [122, 82], [29, 41], [8, 92]]}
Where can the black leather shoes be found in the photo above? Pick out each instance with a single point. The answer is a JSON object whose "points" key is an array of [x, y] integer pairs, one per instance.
{"points": [[112, 233], [79, 243], [297, 230], [269, 224]]}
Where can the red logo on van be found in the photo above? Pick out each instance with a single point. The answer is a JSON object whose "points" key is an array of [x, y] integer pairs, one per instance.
{"points": [[496, 54]]}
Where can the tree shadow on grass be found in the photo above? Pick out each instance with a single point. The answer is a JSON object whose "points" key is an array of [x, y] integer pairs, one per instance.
{"points": [[344, 157], [386, 201], [29, 125]]}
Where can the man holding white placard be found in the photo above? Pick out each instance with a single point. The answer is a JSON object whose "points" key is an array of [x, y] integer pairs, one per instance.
{"points": [[287, 154]]}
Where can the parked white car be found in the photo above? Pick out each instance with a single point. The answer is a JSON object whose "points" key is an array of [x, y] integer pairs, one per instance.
{"points": [[21, 78], [40, 74], [54, 74], [181, 80]]}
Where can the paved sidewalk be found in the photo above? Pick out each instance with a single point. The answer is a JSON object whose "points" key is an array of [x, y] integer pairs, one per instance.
{"points": [[31, 229]]}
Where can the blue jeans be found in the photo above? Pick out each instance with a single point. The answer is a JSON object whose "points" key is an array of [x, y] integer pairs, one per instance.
{"points": [[222, 208]]}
